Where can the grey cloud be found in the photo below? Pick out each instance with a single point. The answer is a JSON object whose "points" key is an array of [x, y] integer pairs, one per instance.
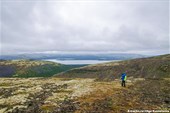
{"points": [[85, 26]]}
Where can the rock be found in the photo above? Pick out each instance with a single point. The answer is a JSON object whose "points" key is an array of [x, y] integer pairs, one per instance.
{"points": [[167, 101]]}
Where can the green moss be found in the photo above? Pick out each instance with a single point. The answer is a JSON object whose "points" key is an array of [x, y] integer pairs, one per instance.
{"points": [[48, 107], [64, 91]]}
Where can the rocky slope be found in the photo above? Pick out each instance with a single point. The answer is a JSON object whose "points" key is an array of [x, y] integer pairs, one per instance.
{"points": [[53, 95], [147, 88], [153, 67]]}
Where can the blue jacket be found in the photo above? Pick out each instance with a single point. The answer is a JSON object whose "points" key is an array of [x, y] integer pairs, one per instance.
{"points": [[123, 76]]}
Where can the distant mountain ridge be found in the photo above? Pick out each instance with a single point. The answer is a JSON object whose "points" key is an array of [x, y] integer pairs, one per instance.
{"points": [[152, 67], [39, 56]]}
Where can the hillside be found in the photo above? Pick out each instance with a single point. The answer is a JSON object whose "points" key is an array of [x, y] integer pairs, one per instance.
{"points": [[80, 94], [31, 68], [153, 67], [54, 95]]}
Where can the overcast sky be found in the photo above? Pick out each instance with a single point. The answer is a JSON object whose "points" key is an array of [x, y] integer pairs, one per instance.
{"points": [[132, 26]]}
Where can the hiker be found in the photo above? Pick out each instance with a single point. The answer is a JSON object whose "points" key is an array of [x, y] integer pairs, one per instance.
{"points": [[123, 79]]}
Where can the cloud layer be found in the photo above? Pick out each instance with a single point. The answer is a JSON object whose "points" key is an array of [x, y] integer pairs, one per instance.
{"points": [[131, 26]]}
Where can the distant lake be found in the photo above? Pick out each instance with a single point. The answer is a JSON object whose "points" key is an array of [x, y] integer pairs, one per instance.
{"points": [[79, 62]]}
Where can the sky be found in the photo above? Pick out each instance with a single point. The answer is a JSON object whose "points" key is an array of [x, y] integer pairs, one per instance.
{"points": [[84, 26]]}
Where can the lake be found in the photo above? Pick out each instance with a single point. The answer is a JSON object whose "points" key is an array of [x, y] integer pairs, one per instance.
{"points": [[79, 62]]}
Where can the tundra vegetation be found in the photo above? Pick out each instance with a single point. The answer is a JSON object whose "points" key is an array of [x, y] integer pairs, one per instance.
{"points": [[92, 89]]}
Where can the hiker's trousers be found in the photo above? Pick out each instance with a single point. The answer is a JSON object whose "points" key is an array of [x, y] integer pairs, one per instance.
{"points": [[123, 83]]}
